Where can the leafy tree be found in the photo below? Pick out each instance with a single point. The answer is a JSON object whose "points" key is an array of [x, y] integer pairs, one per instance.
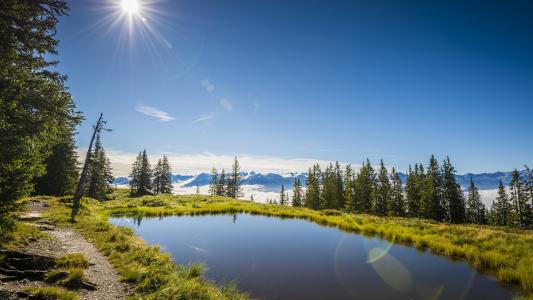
{"points": [[383, 190], [297, 193], [36, 109], [282, 197], [234, 181], [452, 194], [141, 176], [100, 176], [213, 182], [396, 205], [475, 210]]}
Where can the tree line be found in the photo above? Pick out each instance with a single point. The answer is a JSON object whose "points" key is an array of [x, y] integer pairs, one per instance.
{"points": [[430, 193], [228, 185], [147, 181]]}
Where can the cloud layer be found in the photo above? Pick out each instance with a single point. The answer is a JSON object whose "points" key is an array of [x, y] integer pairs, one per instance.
{"points": [[203, 162], [154, 113]]}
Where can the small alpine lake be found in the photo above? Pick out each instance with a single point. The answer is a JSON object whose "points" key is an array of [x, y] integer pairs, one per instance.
{"points": [[274, 258]]}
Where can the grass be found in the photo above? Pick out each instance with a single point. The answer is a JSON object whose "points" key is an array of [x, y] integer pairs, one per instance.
{"points": [[498, 250], [74, 260], [51, 293]]}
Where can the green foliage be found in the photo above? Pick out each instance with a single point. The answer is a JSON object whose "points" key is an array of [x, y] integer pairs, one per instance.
{"points": [[234, 181], [141, 176], [36, 110], [297, 193], [162, 182], [475, 210], [100, 177], [452, 194]]}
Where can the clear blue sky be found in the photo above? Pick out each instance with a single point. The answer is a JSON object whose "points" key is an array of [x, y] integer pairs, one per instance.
{"points": [[330, 80]]}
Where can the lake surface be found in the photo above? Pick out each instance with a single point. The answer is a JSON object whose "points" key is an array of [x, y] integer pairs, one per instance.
{"points": [[274, 258]]}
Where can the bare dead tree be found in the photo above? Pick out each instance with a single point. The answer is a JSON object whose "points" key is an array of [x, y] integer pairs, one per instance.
{"points": [[97, 128]]}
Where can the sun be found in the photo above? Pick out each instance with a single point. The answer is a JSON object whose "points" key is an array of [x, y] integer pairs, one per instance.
{"points": [[130, 6]]}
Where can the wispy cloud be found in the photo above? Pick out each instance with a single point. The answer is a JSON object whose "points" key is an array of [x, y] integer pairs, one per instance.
{"points": [[226, 104], [204, 118], [208, 86], [154, 113]]}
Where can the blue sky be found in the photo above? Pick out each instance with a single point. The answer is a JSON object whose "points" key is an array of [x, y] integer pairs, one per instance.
{"points": [[324, 80]]}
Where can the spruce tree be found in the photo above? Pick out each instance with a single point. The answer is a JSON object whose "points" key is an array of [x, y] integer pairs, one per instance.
{"points": [[282, 199], [158, 171], [519, 198], [100, 176], [365, 185], [431, 204], [297, 194], [36, 109], [339, 187], [213, 182], [349, 193], [61, 170], [383, 190], [475, 210], [234, 181], [396, 204], [328, 189], [312, 194], [412, 192], [221, 185], [452, 194], [166, 177], [141, 176], [502, 208]]}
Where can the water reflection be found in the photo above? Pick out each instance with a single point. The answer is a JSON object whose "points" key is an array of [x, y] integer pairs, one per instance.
{"points": [[294, 259]]}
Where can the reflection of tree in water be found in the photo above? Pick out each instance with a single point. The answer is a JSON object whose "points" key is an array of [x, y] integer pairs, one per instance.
{"points": [[234, 218], [137, 220]]}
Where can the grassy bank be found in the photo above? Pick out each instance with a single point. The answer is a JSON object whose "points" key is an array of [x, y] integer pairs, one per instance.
{"points": [[502, 251]]}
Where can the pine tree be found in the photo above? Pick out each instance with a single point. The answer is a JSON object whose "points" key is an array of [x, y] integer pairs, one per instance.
{"points": [[383, 190], [158, 172], [36, 109], [328, 190], [519, 198], [221, 185], [166, 177], [282, 199], [234, 181], [529, 188], [431, 202], [502, 215], [141, 176], [339, 187], [100, 177], [349, 193], [297, 194], [412, 192], [396, 204], [312, 194], [61, 170], [213, 182], [452, 194], [475, 210], [365, 186]]}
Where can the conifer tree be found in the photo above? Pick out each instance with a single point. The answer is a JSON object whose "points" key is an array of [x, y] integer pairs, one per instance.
{"points": [[213, 182], [328, 190], [529, 188], [221, 185], [383, 190], [339, 187], [100, 177], [297, 194], [36, 109], [282, 199], [61, 170], [141, 176], [502, 212], [365, 186], [312, 194], [157, 182], [166, 176], [349, 193], [396, 203], [431, 204], [234, 181], [519, 198], [412, 192], [475, 210], [452, 194]]}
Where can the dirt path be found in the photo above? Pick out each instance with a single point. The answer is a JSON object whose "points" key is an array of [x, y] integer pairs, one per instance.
{"points": [[66, 241]]}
